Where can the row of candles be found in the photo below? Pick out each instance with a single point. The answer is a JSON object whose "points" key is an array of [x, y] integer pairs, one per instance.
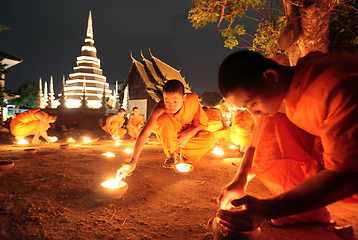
{"points": [[117, 183]]}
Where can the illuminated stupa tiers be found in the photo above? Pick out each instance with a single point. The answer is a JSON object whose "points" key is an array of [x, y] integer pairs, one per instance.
{"points": [[87, 77]]}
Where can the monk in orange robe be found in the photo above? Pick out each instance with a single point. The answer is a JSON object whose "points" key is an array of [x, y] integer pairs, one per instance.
{"points": [[32, 122], [114, 125], [304, 145], [179, 123], [216, 124], [241, 129], [135, 123]]}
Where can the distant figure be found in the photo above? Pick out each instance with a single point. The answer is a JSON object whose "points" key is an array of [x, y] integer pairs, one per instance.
{"points": [[32, 122], [135, 123], [241, 129], [217, 124], [114, 124], [179, 123]]}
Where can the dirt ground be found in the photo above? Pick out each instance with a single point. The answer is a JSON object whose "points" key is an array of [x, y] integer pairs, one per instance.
{"points": [[56, 194]]}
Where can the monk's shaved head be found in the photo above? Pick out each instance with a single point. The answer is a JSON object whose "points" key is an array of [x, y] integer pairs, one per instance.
{"points": [[174, 86]]}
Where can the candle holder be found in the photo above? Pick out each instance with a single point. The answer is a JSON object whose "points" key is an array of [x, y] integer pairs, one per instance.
{"points": [[114, 188], [182, 166], [6, 165], [30, 151], [64, 146], [220, 233]]}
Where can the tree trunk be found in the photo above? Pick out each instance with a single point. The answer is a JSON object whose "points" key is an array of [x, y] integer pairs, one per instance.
{"points": [[313, 24]]}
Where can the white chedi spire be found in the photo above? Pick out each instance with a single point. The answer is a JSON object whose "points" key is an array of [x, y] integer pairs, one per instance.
{"points": [[51, 95], [41, 95], [125, 98], [89, 26], [45, 95]]}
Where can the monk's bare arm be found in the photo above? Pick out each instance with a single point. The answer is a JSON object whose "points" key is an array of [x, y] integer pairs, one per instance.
{"points": [[236, 188], [146, 131]]}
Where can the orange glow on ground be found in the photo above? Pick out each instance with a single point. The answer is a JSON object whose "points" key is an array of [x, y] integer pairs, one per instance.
{"points": [[128, 150]]}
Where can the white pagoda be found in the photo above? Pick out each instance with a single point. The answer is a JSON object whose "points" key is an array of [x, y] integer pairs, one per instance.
{"points": [[87, 81]]}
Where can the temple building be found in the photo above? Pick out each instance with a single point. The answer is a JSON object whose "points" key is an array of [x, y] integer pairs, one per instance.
{"points": [[143, 85], [87, 80]]}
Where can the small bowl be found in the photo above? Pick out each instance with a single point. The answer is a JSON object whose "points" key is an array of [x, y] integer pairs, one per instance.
{"points": [[65, 146], [114, 192], [30, 151], [183, 168], [6, 165]]}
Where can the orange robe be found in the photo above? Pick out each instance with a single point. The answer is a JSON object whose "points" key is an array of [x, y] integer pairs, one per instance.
{"points": [[215, 123], [135, 121], [114, 125], [320, 130], [241, 128], [26, 123], [190, 114]]}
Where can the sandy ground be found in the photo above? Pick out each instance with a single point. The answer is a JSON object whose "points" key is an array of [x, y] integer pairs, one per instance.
{"points": [[56, 194]]}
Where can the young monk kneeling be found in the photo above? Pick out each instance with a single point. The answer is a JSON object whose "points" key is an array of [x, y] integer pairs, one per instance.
{"points": [[179, 122]]}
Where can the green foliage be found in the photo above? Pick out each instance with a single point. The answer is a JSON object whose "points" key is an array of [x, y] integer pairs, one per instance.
{"points": [[28, 92], [227, 13], [343, 32], [267, 35]]}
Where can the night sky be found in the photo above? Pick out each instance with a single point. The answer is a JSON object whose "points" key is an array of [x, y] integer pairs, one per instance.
{"points": [[48, 36]]}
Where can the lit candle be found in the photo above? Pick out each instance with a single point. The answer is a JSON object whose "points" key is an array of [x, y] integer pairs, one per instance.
{"points": [[109, 154], [71, 140], [128, 150], [183, 167], [233, 147], [53, 139], [22, 142], [118, 143], [113, 184], [218, 151], [86, 140]]}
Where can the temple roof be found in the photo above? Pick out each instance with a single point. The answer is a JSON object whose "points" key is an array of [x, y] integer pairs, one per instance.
{"points": [[154, 73], [9, 60]]}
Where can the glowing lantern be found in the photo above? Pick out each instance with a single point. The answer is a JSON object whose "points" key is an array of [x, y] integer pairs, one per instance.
{"points": [[128, 150], [53, 139], [71, 140], [22, 142], [218, 151], [109, 154]]}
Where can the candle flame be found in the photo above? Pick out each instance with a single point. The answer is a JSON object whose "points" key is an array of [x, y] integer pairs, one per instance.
{"points": [[86, 140], [128, 150], [22, 142], [113, 184], [183, 167], [233, 147], [71, 140], [108, 154], [118, 143], [53, 139], [218, 151]]}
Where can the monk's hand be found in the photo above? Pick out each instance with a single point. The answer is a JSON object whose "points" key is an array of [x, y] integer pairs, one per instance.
{"points": [[248, 214], [183, 138], [229, 193], [125, 170]]}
